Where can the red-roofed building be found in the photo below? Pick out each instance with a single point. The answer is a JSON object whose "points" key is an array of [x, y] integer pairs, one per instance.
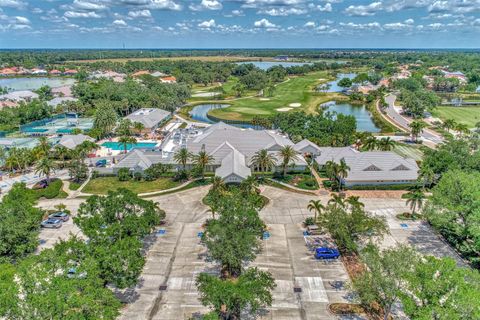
{"points": [[70, 72], [55, 72], [140, 73], [8, 72], [170, 79]]}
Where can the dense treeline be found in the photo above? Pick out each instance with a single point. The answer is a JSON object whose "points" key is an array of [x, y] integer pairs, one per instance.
{"points": [[324, 129], [12, 117]]}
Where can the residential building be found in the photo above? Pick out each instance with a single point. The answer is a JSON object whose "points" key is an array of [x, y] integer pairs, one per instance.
{"points": [[151, 118], [72, 141], [371, 167], [55, 72], [17, 96], [169, 79], [140, 73], [70, 72], [59, 100]]}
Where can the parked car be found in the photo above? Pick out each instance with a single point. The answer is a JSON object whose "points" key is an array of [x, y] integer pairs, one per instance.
{"points": [[101, 163], [60, 216], [42, 184], [51, 223], [325, 253]]}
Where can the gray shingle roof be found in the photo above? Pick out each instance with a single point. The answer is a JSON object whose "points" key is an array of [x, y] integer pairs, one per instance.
{"points": [[138, 158], [149, 117], [71, 141], [372, 165], [219, 139], [305, 145], [233, 163]]}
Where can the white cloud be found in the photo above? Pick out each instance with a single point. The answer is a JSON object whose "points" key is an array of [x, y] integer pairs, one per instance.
{"points": [[148, 4], [310, 24], [206, 5], [12, 4], [120, 23], [361, 26], [140, 14], [21, 20], [207, 24], [282, 11], [237, 13], [264, 23], [326, 8], [76, 14], [368, 10], [409, 21], [86, 5]]}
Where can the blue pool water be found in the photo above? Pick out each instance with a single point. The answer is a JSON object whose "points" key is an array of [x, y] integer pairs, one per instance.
{"points": [[138, 145]]}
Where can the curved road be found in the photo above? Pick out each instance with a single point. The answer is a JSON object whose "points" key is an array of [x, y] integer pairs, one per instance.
{"points": [[403, 122]]}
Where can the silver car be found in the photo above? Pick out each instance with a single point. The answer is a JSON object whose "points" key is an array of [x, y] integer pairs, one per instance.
{"points": [[51, 223], [60, 216]]}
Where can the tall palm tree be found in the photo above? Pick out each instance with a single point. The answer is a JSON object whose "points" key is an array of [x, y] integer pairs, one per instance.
{"points": [[126, 140], [336, 201], [46, 167], [386, 144], [105, 118], [218, 185], [317, 207], [354, 202], [263, 160], [43, 147], [462, 128], [342, 173], [202, 160], [249, 185], [371, 143], [415, 199], [138, 127], [416, 128], [427, 176], [287, 155], [61, 153], [449, 124], [182, 156], [331, 169]]}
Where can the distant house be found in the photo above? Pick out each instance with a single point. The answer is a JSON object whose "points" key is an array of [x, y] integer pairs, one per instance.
{"points": [[8, 72], [58, 100], [63, 91], [36, 71], [151, 118], [158, 74], [281, 58], [72, 141], [169, 79], [307, 147], [70, 72], [115, 76], [17, 96], [140, 73], [455, 75], [55, 72], [372, 167]]}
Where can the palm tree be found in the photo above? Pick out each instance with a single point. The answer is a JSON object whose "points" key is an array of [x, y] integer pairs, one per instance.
{"points": [[386, 144], [427, 176], [249, 185], [138, 127], [342, 172], [317, 207], [105, 118], [336, 201], [43, 146], [415, 199], [45, 166], [331, 169], [125, 140], [462, 128], [218, 185], [263, 160], [124, 127], [354, 202], [287, 154], [449, 124], [416, 128], [202, 160], [182, 156], [371, 143], [61, 153]]}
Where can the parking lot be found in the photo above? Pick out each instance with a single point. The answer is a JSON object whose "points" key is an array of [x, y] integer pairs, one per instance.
{"points": [[305, 286]]}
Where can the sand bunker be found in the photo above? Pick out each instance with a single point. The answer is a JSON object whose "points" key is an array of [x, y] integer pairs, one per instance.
{"points": [[284, 109], [264, 99], [295, 105], [205, 94]]}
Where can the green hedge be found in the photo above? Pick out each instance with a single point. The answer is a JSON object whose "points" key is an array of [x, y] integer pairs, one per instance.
{"points": [[404, 186], [53, 190]]}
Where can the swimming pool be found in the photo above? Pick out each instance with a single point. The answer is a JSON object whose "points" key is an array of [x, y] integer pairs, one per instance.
{"points": [[138, 145]]}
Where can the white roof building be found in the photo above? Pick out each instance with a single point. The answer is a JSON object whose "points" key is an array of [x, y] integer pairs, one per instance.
{"points": [[25, 95], [72, 141], [149, 117], [372, 167], [56, 101]]}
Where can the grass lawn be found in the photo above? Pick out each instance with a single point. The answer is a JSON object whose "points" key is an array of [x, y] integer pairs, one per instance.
{"points": [[299, 89], [467, 115], [409, 150], [104, 184], [299, 180], [74, 186]]}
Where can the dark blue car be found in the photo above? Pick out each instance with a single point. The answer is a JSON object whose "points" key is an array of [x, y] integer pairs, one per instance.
{"points": [[101, 163], [325, 253]]}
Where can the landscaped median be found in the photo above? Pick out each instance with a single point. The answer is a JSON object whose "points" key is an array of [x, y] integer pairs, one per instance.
{"points": [[102, 185]]}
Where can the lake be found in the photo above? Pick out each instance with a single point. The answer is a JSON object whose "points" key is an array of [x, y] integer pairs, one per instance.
{"points": [[334, 84], [360, 112], [25, 83], [264, 65]]}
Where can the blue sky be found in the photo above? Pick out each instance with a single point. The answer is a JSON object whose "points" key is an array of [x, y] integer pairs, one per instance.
{"points": [[239, 24]]}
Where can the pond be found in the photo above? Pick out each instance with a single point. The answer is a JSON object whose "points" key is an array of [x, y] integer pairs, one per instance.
{"points": [[200, 113], [360, 112], [334, 87], [264, 65], [26, 83]]}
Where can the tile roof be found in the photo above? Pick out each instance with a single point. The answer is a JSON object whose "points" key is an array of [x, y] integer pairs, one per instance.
{"points": [[233, 163], [71, 141], [149, 117]]}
